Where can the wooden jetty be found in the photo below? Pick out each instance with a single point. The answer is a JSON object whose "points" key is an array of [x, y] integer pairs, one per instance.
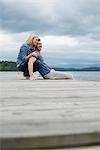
{"points": [[49, 114]]}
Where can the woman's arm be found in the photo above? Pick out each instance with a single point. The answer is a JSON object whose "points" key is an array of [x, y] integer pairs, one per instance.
{"points": [[33, 54]]}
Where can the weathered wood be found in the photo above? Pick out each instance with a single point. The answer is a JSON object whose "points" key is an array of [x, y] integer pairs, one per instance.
{"points": [[49, 113], [80, 148]]}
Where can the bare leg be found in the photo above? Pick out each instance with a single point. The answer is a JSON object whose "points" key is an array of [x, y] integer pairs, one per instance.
{"points": [[30, 68], [54, 75]]}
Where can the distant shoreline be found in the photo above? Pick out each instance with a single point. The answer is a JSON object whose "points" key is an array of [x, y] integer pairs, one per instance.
{"points": [[73, 69], [11, 66], [56, 70]]}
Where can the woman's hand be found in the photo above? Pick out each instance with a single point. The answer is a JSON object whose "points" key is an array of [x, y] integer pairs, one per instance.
{"points": [[33, 77], [35, 54]]}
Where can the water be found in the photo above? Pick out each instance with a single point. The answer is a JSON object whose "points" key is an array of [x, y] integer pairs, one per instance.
{"points": [[87, 76], [78, 75]]}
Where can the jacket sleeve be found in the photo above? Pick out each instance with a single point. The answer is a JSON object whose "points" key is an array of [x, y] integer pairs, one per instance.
{"points": [[23, 52]]}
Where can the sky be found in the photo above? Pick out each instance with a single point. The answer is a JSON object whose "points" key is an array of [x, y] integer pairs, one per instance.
{"points": [[69, 29]]}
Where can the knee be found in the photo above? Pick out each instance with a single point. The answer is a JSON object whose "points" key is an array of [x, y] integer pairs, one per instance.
{"points": [[31, 59]]}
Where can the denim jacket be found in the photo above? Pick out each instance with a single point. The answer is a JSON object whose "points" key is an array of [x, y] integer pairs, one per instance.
{"points": [[25, 50]]}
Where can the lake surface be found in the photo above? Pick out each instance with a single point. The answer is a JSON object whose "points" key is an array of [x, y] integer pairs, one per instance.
{"points": [[87, 76], [78, 75]]}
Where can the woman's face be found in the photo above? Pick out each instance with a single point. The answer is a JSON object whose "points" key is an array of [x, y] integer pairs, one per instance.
{"points": [[35, 41]]}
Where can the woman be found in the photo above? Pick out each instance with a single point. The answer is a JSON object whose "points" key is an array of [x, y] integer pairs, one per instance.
{"points": [[30, 60]]}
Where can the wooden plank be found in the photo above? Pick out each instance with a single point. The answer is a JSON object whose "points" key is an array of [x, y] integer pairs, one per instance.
{"points": [[49, 113], [44, 142], [81, 148]]}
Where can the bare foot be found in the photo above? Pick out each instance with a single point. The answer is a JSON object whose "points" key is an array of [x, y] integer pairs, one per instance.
{"points": [[32, 77]]}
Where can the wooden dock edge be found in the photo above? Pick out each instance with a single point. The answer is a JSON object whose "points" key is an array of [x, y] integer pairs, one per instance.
{"points": [[50, 141]]}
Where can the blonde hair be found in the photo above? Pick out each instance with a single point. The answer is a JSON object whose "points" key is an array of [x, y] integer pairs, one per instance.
{"points": [[30, 38]]}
